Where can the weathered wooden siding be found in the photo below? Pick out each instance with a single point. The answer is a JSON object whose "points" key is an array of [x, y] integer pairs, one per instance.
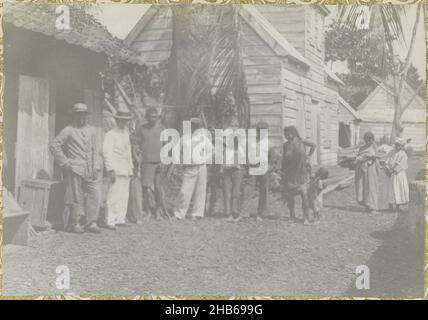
{"points": [[289, 21], [155, 41], [377, 113], [280, 92], [379, 106], [301, 95], [263, 74], [302, 26]]}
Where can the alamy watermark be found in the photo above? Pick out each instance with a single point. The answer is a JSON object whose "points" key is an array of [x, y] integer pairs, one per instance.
{"points": [[249, 146]]}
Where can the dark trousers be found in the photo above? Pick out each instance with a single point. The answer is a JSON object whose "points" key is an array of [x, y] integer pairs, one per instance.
{"points": [[83, 198], [263, 186], [231, 181]]}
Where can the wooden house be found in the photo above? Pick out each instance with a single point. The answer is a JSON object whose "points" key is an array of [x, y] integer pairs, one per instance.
{"points": [[283, 53], [46, 71], [377, 113]]}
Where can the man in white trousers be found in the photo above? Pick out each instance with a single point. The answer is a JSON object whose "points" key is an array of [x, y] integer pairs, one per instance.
{"points": [[194, 185], [118, 163]]}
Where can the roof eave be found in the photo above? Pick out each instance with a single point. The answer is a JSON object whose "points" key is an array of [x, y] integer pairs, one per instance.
{"points": [[266, 31]]}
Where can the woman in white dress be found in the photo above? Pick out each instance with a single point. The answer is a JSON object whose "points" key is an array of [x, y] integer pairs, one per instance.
{"points": [[396, 166]]}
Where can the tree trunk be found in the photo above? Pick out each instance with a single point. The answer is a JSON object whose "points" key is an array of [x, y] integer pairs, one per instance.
{"points": [[400, 79], [397, 129]]}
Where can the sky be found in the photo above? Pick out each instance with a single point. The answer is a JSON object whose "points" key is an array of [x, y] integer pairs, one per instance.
{"points": [[120, 19]]}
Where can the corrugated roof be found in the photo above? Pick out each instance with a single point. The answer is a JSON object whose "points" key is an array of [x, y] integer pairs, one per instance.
{"points": [[86, 31]]}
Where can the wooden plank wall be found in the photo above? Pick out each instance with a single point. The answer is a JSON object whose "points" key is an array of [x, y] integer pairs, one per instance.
{"points": [[155, 41], [288, 21], [263, 75]]}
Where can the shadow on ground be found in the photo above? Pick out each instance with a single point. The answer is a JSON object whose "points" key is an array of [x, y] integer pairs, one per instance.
{"points": [[397, 266]]}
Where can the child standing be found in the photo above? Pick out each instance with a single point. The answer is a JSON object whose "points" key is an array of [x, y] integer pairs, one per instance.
{"points": [[315, 197]]}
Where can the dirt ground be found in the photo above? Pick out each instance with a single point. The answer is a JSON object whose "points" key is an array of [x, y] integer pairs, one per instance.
{"points": [[215, 257]]}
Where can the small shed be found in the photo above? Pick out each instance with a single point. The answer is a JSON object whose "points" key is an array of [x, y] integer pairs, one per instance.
{"points": [[283, 57], [377, 113], [46, 71]]}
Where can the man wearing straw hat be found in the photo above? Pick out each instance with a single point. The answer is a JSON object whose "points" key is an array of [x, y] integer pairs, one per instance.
{"points": [[75, 150], [118, 163]]}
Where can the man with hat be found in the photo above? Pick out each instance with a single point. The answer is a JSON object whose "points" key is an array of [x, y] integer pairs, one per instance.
{"points": [[118, 164], [146, 139], [75, 150]]}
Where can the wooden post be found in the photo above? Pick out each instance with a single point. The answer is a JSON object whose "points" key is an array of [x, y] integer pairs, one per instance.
{"points": [[416, 216]]}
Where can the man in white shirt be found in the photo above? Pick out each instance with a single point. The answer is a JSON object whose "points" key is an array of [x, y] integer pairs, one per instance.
{"points": [[118, 163]]}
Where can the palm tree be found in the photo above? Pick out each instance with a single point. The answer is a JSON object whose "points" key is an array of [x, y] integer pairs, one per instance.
{"points": [[205, 66], [390, 20]]}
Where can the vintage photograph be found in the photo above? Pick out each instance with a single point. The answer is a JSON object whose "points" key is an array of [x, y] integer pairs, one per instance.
{"points": [[214, 150]]}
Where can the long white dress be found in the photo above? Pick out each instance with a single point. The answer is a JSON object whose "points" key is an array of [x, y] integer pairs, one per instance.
{"points": [[398, 186]]}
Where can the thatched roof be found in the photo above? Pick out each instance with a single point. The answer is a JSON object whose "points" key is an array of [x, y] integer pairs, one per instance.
{"points": [[85, 30]]}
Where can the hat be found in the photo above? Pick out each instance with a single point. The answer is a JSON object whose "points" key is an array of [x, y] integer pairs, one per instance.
{"points": [[124, 115], [400, 141], [262, 125], [196, 120], [80, 108]]}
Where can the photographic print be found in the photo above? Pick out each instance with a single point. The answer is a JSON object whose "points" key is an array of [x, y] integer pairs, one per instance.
{"points": [[214, 150]]}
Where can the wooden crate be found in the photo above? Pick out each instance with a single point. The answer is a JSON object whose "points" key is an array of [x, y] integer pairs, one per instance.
{"points": [[36, 197]]}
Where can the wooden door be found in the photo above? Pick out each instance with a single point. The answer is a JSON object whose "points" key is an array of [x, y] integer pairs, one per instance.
{"points": [[34, 128]]}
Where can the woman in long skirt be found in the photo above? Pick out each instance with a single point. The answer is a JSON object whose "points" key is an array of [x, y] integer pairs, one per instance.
{"points": [[367, 174], [396, 166]]}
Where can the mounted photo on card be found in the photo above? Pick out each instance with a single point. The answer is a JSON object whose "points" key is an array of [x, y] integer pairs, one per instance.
{"points": [[214, 150]]}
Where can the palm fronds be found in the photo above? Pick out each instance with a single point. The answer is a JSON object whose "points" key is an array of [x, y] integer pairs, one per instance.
{"points": [[205, 63]]}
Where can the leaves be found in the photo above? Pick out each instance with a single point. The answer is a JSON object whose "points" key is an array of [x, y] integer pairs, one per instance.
{"points": [[205, 69]]}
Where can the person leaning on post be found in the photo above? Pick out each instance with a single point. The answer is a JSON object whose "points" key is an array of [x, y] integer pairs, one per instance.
{"points": [[75, 150]]}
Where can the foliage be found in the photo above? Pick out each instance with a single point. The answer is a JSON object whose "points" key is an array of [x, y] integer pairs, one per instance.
{"points": [[205, 72], [365, 58], [366, 54]]}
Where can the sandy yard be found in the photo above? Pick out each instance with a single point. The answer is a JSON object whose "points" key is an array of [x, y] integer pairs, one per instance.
{"points": [[215, 257]]}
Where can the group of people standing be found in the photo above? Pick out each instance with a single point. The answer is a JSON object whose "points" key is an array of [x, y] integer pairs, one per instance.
{"points": [[368, 165], [131, 163], [76, 151]]}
